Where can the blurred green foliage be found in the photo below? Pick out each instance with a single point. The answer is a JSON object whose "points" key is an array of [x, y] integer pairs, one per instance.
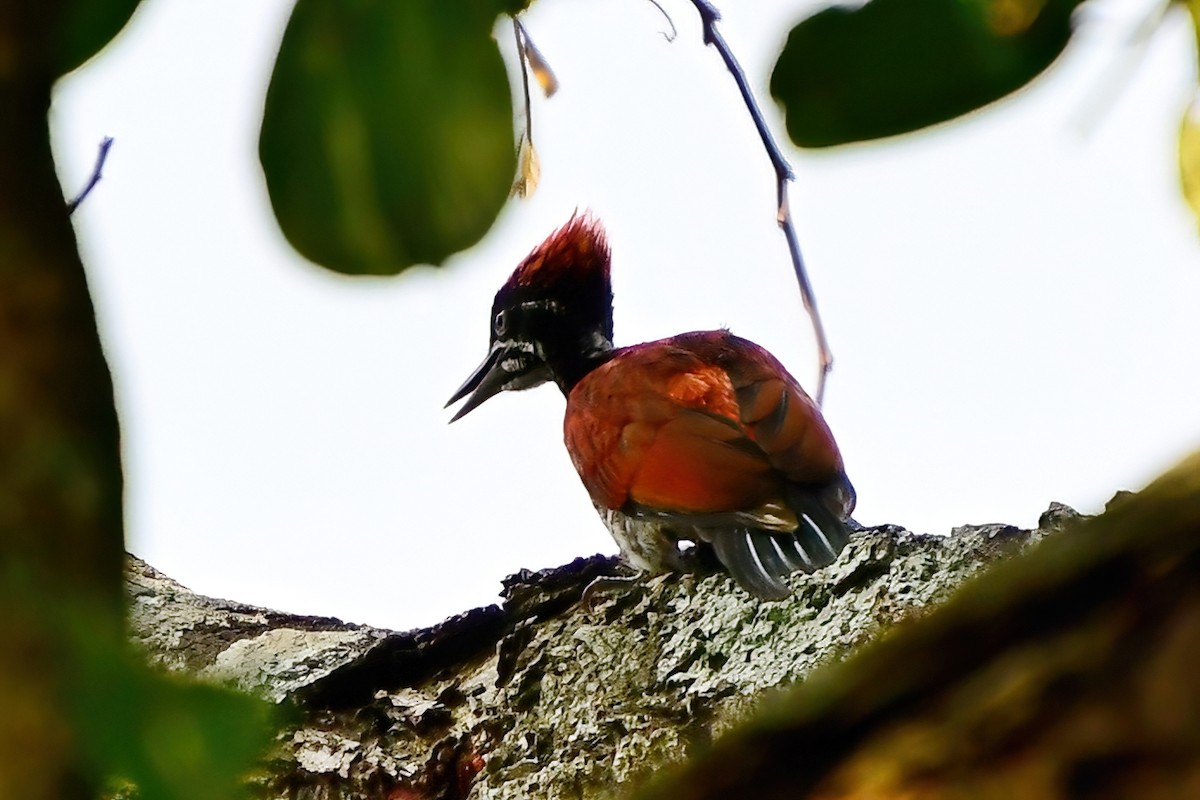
{"points": [[895, 66], [166, 736], [387, 138], [84, 27], [856, 73], [172, 737], [1189, 133], [79, 709]]}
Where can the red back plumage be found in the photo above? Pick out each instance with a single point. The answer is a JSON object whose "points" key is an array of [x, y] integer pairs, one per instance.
{"points": [[744, 422]]}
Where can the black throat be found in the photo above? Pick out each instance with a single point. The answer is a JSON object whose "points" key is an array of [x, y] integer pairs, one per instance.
{"points": [[570, 363]]}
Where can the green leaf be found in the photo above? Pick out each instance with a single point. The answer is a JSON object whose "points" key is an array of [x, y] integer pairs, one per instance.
{"points": [[1189, 134], [1189, 157], [894, 66], [387, 138], [172, 737], [85, 27]]}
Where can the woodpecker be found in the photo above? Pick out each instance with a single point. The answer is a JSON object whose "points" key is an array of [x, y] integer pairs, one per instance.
{"points": [[702, 437]]}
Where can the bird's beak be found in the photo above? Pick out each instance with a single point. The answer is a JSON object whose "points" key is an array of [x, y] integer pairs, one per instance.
{"points": [[506, 367], [487, 380]]}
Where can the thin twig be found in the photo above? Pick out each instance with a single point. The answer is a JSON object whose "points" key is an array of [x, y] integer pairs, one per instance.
{"points": [[783, 173], [670, 37], [519, 35], [101, 157], [523, 186], [528, 171]]}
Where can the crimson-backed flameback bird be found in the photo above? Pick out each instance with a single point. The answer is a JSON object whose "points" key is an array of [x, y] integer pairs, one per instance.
{"points": [[702, 437]]}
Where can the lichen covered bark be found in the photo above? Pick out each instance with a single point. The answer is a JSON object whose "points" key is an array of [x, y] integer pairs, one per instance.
{"points": [[546, 697], [1067, 673]]}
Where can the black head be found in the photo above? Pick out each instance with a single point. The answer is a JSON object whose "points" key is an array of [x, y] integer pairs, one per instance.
{"points": [[551, 320]]}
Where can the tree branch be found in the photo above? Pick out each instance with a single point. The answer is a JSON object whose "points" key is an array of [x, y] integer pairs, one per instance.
{"points": [[101, 157], [783, 173], [642, 675]]}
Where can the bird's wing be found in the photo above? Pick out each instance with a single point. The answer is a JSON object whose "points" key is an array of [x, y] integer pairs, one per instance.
{"points": [[698, 426]]}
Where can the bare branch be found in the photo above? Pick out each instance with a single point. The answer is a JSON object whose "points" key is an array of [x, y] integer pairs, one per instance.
{"points": [[670, 37], [519, 36], [783, 173], [101, 157], [528, 169]]}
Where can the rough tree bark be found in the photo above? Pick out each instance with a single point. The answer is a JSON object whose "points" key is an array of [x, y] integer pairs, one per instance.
{"points": [[1069, 672], [541, 697]]}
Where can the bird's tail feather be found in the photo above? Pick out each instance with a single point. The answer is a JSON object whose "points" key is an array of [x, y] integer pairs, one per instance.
{"points": [[739, 550], [759, 560]]}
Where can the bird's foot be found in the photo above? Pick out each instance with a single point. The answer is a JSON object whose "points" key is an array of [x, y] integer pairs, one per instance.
{"points": [[605, 585]]}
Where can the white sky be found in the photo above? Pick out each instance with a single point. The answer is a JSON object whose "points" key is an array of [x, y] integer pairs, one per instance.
{"points": [[1013, 307]]}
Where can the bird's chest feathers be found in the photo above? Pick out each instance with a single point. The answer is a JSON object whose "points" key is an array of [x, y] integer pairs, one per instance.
{"points": [[625, 410]]}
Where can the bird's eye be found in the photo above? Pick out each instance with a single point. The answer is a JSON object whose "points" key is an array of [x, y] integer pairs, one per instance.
{"points": [[500, 323]]}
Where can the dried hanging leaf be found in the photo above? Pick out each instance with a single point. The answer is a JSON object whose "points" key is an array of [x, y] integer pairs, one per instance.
{"points": [[529, 171], [537, 62], [541, 70]]}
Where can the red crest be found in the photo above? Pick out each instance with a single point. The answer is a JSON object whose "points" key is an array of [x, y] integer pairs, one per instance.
{"points": [[575, 253]]}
